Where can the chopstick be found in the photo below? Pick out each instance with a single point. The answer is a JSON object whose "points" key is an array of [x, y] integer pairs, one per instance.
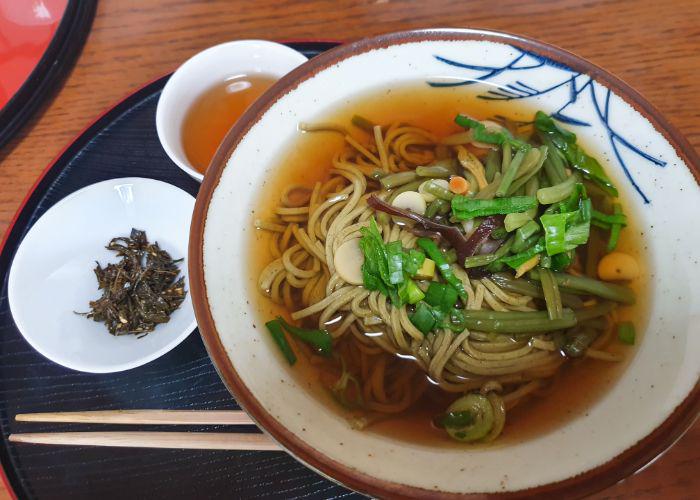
{"points": [[144, 417], [184, 440]]}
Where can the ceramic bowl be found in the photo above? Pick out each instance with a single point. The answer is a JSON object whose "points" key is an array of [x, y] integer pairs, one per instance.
{"points": [[205, 69], [52, 272], [643, 413]]}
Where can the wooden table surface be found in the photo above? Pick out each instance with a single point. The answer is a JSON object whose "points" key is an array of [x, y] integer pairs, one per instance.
{"points": [[653, 46]]}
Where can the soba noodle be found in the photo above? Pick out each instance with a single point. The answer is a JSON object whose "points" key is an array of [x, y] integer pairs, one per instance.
{"points": [[381, 358]]}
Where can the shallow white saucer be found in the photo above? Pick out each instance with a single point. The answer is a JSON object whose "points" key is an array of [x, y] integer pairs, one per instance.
{"points": [[52, 273]]}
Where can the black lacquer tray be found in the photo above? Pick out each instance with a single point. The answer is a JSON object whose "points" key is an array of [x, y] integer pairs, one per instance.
{"points": [[123, 143]]}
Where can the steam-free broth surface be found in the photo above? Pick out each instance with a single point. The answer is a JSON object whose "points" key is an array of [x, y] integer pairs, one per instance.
{"points": [[215, 112], [572, 391]]}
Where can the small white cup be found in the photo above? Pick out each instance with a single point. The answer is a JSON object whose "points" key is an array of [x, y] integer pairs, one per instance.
{"points": [[201, 72]]}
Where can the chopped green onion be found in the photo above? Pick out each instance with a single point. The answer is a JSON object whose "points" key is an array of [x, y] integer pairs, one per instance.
{"points": [[515, 261], [275, 329], [409, 293], [320, 339], [441, 296], [443, 266], [626, 333], [422, 318]]}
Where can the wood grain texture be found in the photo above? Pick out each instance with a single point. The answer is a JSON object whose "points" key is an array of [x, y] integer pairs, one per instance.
{"points": [[652, 46]]}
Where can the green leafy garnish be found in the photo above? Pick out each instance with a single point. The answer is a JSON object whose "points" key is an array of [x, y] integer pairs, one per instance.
{"points": [[480, 134], [565, 142], [409, 293], [464, 208]]}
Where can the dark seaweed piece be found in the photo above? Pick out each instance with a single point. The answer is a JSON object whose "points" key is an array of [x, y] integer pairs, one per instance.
{"points": [[139, 291]]}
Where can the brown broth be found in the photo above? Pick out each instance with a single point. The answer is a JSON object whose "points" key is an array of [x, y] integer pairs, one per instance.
{"points": [[578, 384], [215, 112]]}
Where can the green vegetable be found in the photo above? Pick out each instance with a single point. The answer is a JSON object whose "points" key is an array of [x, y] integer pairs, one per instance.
{"points": [[409, 293], [320, 339], [464, 208], [412, 261], [561, 235], [422, 318], [438, 191], [493, 163], [578, 342], [454, 419], [530, 175], [442, 296], [432, 250], [529, 229], [626, 333], [437, 207], [500, 233], [585, 285], [510, 173], [558, 192], [619, 219], [552, 296], [443, 169], [375, 269], [592, 312], [531, 288], [479, 260], [517, 260], [363, 123], [565, 142], [398, 179], [615, 229], [479, 423], [515, 220], [275, 328], [523, 322], [394, 255]]}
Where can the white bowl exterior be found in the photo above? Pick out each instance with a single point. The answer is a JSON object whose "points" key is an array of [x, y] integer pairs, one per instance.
{"points": [[661, 375], [52, 272], [202, 71]]}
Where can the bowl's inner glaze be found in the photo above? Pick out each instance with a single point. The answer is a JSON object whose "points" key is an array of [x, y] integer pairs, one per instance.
{"points": [[653, 180]]}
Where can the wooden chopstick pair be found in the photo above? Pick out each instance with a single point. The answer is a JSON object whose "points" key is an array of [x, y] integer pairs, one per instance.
{"points": [[185, 440]]}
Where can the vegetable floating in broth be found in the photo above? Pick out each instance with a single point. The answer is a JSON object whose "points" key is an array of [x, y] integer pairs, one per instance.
{"points": [[214, 113], [458, 273], [141, 290]]}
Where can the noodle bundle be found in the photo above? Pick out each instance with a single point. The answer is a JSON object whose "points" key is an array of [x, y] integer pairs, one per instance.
{"points": [[499, 341]]}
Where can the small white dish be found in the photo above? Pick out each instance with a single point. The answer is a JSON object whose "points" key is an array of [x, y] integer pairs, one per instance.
{"points": [[52, 272], [201, 72]]}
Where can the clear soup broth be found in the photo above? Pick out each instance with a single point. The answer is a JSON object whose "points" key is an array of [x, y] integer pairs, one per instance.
{"points": [[568, 394]]}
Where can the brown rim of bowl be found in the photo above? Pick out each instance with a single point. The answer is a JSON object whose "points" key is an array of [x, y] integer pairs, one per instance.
{"points": [[616, 469]]}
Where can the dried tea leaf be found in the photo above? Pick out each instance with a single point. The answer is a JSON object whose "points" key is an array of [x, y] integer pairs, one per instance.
{"points": [[139, 291]]}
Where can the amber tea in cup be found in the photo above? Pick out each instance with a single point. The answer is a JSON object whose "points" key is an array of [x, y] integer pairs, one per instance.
{"points": [[214, 112]]}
